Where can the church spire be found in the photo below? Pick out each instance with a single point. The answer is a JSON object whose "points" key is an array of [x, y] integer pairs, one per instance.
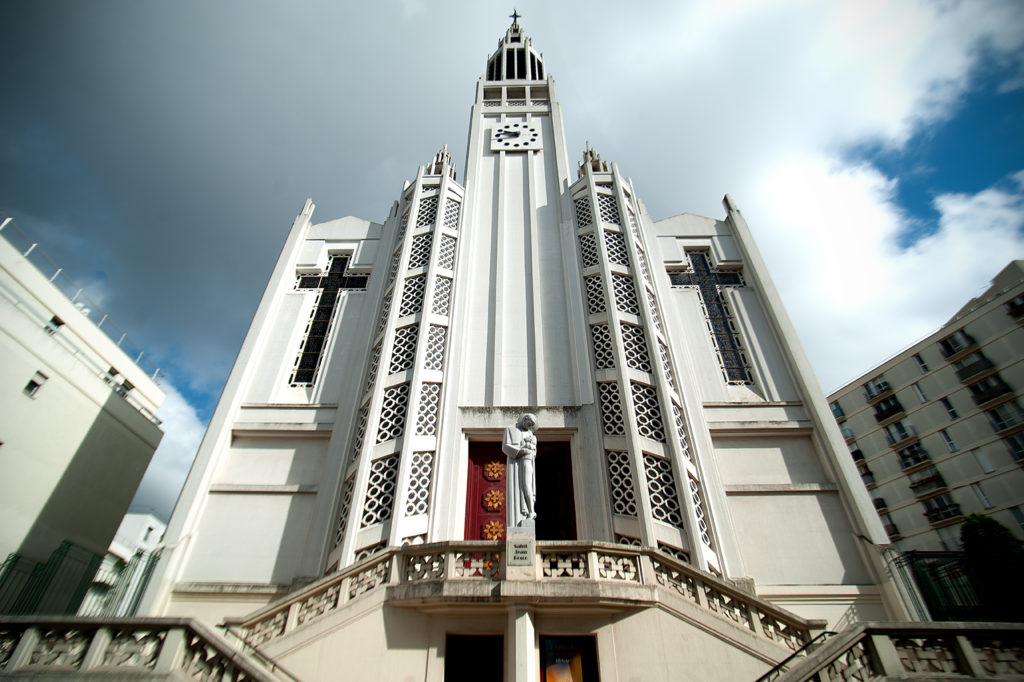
{"points": [[515, 58], [441, 159]]}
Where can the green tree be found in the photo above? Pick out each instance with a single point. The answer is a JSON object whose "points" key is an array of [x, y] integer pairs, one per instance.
{"points": [[995, 559]]}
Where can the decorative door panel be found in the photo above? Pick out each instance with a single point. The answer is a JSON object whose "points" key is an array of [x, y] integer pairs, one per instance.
{"points": [[485, 492]]}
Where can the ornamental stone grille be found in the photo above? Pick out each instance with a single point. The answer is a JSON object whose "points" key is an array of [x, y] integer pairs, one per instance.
{"points": [[346, 504], [653, 309], [588, 249], [684, 446], [419, 254], [648, 412], [371, 372], [393, 412], [620, 481], [595, 294], [427, 413], [357, 442], [666, 367], [380, 491], [428, 212], [434, 358], [584, 216], [642, 259], [412, 295], [442, 295], [661, 486], [446, 255], [625, 294], [451, 214], [403, 351], [634, 343], [385, 308], [697, 496], [608, 208], [604, 356], [616, 246], [420, 472], [611, 408]]}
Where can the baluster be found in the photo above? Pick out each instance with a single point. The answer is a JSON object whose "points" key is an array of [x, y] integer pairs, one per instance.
{"points": [[97, 648], [172, 653], [23, 652]]}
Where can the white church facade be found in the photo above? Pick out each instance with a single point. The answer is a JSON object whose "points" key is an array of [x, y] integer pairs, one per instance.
{"points": [[697, 508]]}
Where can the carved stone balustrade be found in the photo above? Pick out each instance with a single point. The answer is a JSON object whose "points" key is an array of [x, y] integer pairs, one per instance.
{"points": [[907, 651], [123, 648], [611, 575]]}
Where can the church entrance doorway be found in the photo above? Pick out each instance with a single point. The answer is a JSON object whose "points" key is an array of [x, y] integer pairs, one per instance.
{"points": [[474, 657], [486, 490]]}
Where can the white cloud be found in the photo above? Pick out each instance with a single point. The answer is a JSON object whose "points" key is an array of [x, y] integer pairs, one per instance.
{"points": [[183, 431]]}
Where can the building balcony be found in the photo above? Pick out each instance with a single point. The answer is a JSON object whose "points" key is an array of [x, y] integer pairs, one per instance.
{"points": [[879, 503], [989, 394], [892, 531], [928, 485], [888, 412], [957, 345], [847, 433], [1015, 308], [973, 369], [876, 390], [944, 513]]}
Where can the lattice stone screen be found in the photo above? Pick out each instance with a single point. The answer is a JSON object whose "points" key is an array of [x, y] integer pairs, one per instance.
{"points": [[608, 208], [604, 357], [428, 212], [346, 503], [634, 343], [384, 310], [684, 446], [419, 253], [427, 414], [697, 495], [620, 481], [584, 216], [420, 472], [380, 490], [611, 408], [403, 351], [371, 374], [446, 256], [393, 412], [616, 246], [434, 358], [412, 295], [357, 442], [588, 249], [661, 486], [648, 412], [451, 214], [666, 367], [595, 294], [625, 294], [442, 295]]}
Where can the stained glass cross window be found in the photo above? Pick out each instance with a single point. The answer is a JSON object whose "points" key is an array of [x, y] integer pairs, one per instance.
{"points": [[709, 281], [335, 280]]}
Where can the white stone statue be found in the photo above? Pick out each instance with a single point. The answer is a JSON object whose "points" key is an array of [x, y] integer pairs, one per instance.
{"points": [[521, 448]]}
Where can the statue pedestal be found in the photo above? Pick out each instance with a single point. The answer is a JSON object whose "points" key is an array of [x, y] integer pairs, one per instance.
{"points": [[521, 552]]}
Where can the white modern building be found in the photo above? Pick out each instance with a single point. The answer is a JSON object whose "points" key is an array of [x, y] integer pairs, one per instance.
{"points": [[121, 579], [937, 431], [77, 427], [698, 509]]}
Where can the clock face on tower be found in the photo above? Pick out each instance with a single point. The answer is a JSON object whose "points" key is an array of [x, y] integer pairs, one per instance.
{"points": [[513, 137]]}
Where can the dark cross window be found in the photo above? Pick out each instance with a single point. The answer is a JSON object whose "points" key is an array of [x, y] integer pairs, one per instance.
{"points": [[330, 284], [709, 281]]}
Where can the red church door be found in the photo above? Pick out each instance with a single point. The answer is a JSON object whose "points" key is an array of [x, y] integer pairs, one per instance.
{"points": [[485, 492]]}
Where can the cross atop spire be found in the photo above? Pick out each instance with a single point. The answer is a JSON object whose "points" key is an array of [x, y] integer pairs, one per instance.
{"points": [[515, 17]]}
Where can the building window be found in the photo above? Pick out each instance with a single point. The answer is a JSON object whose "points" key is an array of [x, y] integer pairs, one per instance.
{"points": [[926, 479], [898, 431], [912, 455], [956, 342], [837, 411], [1015, 446], [890, 527], [985, 502], [950, 410], [950, 443], [987, 389], [1018, 516], [54, 324], [876, 387], [1015, 307], [919, 393], [983, 460], [941, 507], [1006, 415], [34, 384], [921, 364]]}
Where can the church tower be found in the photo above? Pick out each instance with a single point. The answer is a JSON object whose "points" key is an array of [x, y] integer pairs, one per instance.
{"points": [[348, 505]]}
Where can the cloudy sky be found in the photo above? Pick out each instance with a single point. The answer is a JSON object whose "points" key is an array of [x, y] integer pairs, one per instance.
{"points": [[160, 150]]}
